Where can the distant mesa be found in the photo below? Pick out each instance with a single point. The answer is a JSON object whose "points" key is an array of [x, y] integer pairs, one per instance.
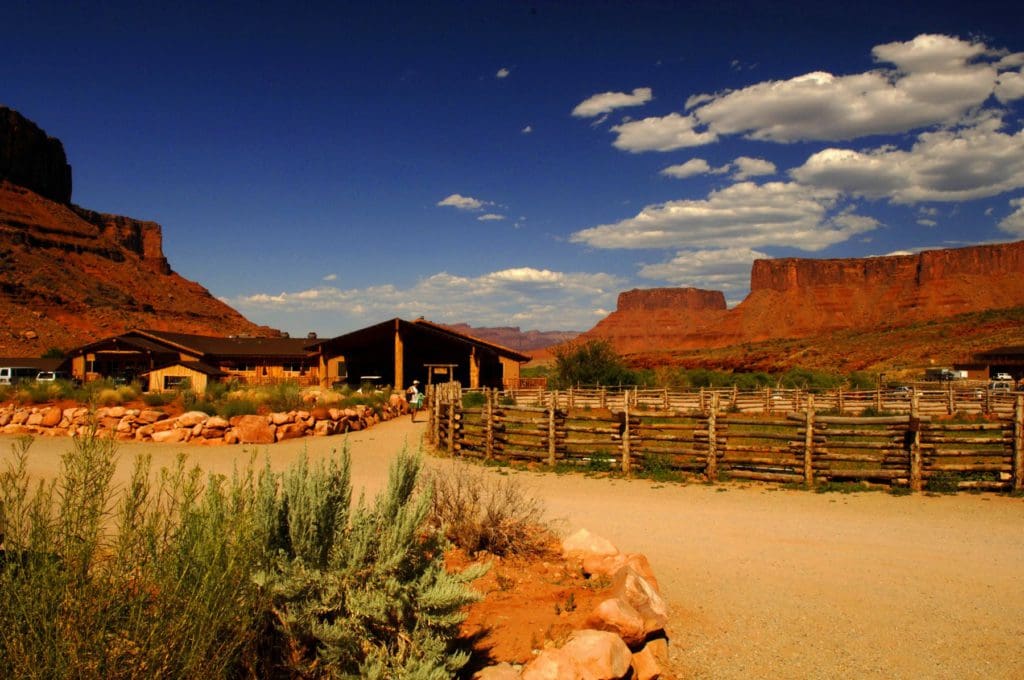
{"points": [[795, 298], [514, 338], [68, 275]]}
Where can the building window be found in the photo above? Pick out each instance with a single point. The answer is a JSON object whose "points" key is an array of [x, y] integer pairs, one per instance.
{"points": [[294, 367], [174, 382]]}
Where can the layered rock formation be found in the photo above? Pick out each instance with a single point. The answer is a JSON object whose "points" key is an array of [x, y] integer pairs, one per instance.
{"points": [[30, 158], [513, 338], [653, 317], [801, 298], [70, 275]]}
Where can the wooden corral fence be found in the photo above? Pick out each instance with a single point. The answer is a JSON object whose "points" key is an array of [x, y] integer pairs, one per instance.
{"points": [[798, 444], [939, 400]]}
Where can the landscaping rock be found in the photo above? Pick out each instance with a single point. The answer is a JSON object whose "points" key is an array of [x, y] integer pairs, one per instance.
{"points": [[584, 544], [253, 430], [615, 615], [169, 436], [599, 654], [502, 671], [651, 661], [291, 431], [630, 586], [552, 664], [51, 417], [191, 419]]}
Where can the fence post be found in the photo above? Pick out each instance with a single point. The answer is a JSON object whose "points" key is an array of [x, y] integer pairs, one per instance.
{"points": [[878, 399], [702, 406], [735, 405], [451, 427], [666, 403], [489, 424], [711, 469], [767, 408], [627, 433], [809, 443], [1018, 445], [571, 401], [551, 431], [604, 397], [435, 417], [840, 402], [950, 410], [914, 426]]}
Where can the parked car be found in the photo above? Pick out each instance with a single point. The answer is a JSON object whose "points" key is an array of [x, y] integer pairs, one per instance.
{"points": [[1003, 376], [12, 375], [1000, 386], [51, 376]]}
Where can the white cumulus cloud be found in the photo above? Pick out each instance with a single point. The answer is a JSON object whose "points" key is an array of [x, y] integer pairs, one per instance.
{"points": [[666, 133], [947, 165], [502, 73], [693, 167], [745, 215], [725, 269], [461, 202], [747, 167], [1014, 222], [490, 217], [524, 296], [607, 102]]}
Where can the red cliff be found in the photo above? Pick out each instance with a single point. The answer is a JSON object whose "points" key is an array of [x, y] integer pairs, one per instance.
{"points": [[70, 275], [801, 298]]}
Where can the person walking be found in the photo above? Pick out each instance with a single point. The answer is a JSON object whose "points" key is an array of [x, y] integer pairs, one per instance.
{"points": [[415, 398]]}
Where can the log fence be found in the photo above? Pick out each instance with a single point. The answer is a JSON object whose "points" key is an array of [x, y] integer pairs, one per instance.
{"points": [[806, 441]]}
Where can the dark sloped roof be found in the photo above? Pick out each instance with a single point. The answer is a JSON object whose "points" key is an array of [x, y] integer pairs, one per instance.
{"points": [[1016, 351], [235, 347], [32, 362], [377, 331]]}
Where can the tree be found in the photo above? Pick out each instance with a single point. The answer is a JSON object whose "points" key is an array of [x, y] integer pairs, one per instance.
{"points": [[594, 362]]}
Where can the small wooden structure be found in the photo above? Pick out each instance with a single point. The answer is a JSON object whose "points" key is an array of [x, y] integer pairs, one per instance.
{"points": [[195, 374]]}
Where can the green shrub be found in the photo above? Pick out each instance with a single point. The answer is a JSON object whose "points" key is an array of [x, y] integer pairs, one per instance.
{"points": [[594, 362], [237, 407], [473, 399], [284, 396], [158, 398], [260, 574]]}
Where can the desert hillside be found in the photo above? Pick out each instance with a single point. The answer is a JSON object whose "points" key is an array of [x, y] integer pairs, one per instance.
{"points": [[69, 275], [854, 313]]}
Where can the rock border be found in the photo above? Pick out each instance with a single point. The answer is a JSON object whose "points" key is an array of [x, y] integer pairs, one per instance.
{"points": [[625, 635], [194, 427]]}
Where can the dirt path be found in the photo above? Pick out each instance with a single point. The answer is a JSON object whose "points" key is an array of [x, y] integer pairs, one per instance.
{"points": [[764, 582]]}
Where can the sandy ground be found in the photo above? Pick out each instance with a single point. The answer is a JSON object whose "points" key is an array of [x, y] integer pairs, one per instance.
{"points": [[762, 582]]}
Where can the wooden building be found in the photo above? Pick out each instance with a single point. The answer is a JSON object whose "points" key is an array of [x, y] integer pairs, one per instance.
{"points": [[1003, 360], [164, 359], [397, 351]]}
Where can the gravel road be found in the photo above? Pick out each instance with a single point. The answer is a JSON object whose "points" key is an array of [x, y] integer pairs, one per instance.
{"points": [[762, 582]]}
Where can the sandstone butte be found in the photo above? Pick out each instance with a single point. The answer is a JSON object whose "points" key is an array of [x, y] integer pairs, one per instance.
{"points": [[68, 275], [802, 298]]}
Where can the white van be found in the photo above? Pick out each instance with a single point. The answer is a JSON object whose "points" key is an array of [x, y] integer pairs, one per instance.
{"points": [[12, 375]]}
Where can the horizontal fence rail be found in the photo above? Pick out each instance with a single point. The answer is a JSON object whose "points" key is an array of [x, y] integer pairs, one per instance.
{"points": [[806, 440], [947, 400]]}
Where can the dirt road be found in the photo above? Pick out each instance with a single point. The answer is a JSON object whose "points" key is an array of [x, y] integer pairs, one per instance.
{"points": [[763, 582]]}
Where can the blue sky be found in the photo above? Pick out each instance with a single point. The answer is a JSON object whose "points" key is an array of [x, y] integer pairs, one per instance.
{"points": [[327, 166]]}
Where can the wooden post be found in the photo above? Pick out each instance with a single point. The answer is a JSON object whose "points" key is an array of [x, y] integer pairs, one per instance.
{"points": [[604, 397], [735, 405], [767, 400], [878, 398], [451, 427], [1018, 445], [840, 404], [627, 453], [950, 410], [572, 401], [915, 443], [711, 468], [551, 433], [489, 423], [703, 408], [809, 443]]}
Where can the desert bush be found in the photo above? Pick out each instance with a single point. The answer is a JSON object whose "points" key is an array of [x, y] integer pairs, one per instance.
{"points": [[257, 574], [473, 399], [284, 396], [477, 512], [594, 362], [158, 398], [109, 397], [229, 408]]}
